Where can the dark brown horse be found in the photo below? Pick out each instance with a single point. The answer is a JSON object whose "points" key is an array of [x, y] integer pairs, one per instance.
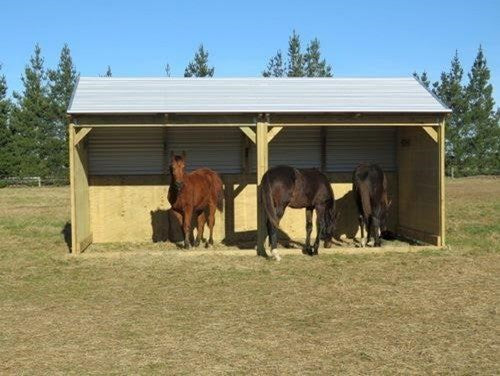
{"points": [[199, 194], [284, 186], [370, 192]]}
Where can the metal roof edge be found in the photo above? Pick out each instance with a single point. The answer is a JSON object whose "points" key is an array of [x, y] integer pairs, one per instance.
{"points": [[445, 107], [68, 110]]}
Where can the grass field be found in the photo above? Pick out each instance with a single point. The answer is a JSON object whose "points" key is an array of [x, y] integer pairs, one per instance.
{"points": [[110, 312]]}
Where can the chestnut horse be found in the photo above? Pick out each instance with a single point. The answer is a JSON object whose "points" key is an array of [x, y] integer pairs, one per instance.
{"points": [[198, 193]]}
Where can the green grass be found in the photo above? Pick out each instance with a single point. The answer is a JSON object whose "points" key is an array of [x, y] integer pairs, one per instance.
{"points": [[112, 312]]}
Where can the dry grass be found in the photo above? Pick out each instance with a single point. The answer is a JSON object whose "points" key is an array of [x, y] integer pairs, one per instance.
{"points": [[163, 312]]}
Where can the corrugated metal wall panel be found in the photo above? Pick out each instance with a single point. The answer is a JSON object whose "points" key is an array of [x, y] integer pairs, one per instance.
{"points": [[346, 147], [294, 146], [218, 148], [126, 151]]}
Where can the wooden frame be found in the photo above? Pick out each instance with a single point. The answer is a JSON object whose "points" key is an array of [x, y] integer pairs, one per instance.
{"points": [[260, 129], [441, 169], [262, 167], [81, 235]]}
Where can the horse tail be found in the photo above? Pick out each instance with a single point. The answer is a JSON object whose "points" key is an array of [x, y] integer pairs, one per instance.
{"points": [[365, 202], [267, 201], [220, 195], [217, 190]]}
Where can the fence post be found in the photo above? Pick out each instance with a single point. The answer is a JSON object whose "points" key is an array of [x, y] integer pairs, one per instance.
{"points": [[452, 172], [39, 180]]}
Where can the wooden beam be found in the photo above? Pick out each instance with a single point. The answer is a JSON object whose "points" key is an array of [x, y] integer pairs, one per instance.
{"points": [[366, 119], [441, 170], [433, 133], [165, 120], [419, 236], [262, 166], [71, 146], [249, 120], [80, 135], [273, 132], [249, 133], [323, 134]]}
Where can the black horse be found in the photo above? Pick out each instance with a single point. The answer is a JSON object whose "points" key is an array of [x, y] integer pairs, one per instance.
{"points": [[284, 186], [370, 192]]}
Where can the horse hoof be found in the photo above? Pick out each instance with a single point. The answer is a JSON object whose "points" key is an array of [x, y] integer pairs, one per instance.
{"points": [[276, 255]]}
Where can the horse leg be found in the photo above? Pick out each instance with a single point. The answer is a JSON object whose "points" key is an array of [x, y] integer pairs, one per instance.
{"points": [[320, 227], [361, 219], [309, 226], [186, 225], [369, 230], [273, 233], [200, 228], [211, 223]]}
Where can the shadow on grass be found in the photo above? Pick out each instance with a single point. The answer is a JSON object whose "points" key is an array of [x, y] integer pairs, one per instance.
{"points": [[66, 233]]}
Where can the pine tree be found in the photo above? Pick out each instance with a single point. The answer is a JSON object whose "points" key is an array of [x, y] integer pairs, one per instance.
{"points": [[451, 91], [295, 66], [275, 67], [108, 72], [34, 136], [423, 79], [314, 65], [199, 66], [6, 163], [298, 64], [483, 132], [167, 70], [61, 85]]}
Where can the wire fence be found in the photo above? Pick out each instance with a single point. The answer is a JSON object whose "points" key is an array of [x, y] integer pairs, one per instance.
{"points": [[32, 181], [459, 172]]}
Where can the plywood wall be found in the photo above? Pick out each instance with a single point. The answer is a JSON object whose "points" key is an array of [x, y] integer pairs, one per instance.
{"points": [[136, 209], [419, 193]]}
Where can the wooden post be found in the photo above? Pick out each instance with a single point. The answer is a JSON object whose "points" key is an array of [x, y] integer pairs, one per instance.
{"points": [[323, 136], [262, 166], [441, 167], [71, 146]]}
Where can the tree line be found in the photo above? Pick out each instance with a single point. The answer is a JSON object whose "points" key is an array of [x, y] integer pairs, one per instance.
{"points": [[472, 130], [33, 124]]}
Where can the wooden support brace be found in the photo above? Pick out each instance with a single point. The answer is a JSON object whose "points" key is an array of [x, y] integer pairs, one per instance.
{"points": [[273, 132], [432, 132], [80, 135], [250, 133]]}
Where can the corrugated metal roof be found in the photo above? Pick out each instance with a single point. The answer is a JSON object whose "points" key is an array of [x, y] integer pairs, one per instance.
{"points": [[251, 95]]}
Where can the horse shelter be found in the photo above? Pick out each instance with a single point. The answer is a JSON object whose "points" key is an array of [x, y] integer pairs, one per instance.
{"points": [[122, 131]]}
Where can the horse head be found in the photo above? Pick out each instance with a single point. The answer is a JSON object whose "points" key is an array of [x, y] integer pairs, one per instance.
{"points": [[177, 167]]}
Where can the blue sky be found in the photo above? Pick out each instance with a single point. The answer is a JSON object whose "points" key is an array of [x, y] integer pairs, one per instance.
{"points": [[359, 38]]}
